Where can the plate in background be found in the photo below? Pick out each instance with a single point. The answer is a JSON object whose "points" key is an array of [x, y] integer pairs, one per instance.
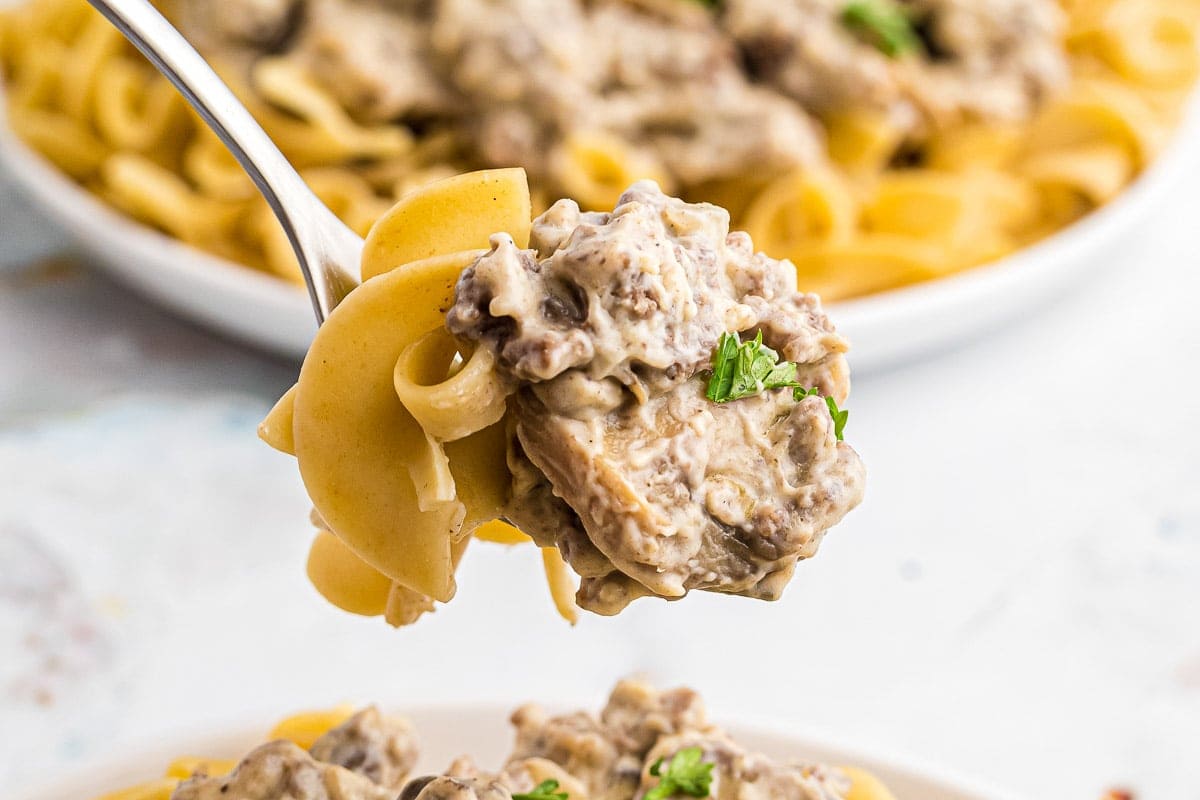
{"points": [[884, 329], [484, 733]]}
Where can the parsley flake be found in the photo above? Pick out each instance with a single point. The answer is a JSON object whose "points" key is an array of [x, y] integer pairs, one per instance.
{"points": [[839, 417], [882, 24], [546, 790], [744, 369], [686, 773]]}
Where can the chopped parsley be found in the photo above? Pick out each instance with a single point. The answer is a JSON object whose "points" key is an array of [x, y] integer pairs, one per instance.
{"points": [[546, 790], [839, 417], [744, 369], [685, 774], [882, 24]]}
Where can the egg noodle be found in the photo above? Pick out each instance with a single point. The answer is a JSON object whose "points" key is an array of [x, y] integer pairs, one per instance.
{"points": [[402, 443], [80, 95], [305, 728]]}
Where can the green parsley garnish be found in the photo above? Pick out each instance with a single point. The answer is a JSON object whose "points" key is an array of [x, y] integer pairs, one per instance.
{"points": [[546, 790], [744, 369], [685, 774], [839, 417], [883, 24]]}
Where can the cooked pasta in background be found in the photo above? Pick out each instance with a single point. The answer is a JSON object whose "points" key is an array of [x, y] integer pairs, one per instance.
{"points": [[654, 404], [874, 143], [645, 743]]}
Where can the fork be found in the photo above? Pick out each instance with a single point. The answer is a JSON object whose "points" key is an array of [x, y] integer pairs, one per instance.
{"points": [[329, 252]]}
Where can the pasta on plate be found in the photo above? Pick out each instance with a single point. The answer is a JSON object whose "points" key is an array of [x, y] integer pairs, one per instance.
{"points": [[874, 143], [645, 743]]}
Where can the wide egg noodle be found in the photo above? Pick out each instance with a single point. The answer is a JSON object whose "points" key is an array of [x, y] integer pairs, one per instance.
{"points": [[562, 585], [344, 579], [134, 111], [355, 442], [500, 532], [469, 400], [160, 789], [973, 216], [150, 191], [304, 728], [289, 86], [67, 144], [91, 54], [862, 141], [278, 427], [1095, 172], [1098, 110], [1150, 43], [375, 475], [348, 195], [81, 96], [865, 786], [596, 167], [185, 767], [973, 146], [456, 214], [802, 209]]}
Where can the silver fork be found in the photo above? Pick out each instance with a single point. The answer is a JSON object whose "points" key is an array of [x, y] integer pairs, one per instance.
{"points": [[328, 251]]}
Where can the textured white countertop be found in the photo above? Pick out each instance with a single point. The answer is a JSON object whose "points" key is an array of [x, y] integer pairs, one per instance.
{"points": [[1018, 598]]}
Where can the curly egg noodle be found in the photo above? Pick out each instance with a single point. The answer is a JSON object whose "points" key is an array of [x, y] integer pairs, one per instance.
{"points": [[80, 95]]}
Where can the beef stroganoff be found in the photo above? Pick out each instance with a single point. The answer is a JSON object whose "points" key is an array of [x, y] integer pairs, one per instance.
{"points": [[874, 143], [641, 393], [645, 743], [619, 459]]}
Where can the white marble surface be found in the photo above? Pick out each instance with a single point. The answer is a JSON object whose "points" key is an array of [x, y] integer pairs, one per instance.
{"points": [[1018, 598]]}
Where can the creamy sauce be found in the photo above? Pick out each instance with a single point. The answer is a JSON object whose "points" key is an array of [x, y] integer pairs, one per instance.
{"points": [[606, 326], [380, 748], [368, 757], [282, 771]]}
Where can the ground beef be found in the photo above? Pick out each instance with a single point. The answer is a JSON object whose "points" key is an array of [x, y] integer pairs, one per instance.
{"points": [[282, 771], [375, 746]]}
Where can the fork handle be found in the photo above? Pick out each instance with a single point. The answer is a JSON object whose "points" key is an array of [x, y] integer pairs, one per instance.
{"points": [[327, 250]]}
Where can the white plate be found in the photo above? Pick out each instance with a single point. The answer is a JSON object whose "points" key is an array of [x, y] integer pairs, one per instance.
{"points": [[884, 329], [485, 734]]}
